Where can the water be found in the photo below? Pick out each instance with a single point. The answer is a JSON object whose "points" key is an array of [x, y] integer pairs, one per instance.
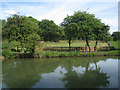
{"points": [[83, 72]]}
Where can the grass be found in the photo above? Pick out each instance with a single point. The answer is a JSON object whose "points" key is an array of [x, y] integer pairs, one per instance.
{"points": [[78, 54], [64, 43], [76, 43]]}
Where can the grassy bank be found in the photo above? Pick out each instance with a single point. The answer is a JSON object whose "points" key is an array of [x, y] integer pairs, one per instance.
{"points": [[77, 43], [77, 54], [39, 52]]}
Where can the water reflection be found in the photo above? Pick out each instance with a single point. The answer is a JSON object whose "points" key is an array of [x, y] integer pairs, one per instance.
{"points": [[89, 79], [53, 73]]}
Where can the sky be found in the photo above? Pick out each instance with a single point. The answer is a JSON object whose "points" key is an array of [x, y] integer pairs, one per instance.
{"points": [[57, 10]]}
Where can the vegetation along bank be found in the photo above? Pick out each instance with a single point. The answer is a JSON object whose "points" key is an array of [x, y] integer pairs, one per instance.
{"points": [[81, 34]]}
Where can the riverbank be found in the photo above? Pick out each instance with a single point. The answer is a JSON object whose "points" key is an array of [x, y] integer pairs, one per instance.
{"points": [[41, 52], [57, 54], [52, 54]]}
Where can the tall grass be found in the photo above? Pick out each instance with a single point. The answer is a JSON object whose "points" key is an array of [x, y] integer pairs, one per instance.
{"points": [[78, 53]]}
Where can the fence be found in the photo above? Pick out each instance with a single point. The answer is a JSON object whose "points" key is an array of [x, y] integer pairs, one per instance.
{"points": [[64, 48]]}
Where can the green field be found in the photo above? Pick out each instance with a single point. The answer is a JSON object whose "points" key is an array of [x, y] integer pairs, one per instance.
{"points": [[76, 43]]}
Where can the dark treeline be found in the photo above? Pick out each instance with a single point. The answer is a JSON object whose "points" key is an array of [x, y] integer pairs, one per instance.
{"points": [[26, 32]]}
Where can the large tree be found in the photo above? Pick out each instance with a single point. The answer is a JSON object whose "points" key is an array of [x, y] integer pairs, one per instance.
{"points": [[18, 28], [87, 24], [49, 30]]}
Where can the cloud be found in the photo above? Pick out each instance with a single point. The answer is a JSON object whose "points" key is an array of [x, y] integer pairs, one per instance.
{"points": [[57, 15], [9, 12], [57, 11], [112, 22]]}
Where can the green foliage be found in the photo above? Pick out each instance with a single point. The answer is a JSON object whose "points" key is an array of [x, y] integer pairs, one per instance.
{"points": [[18, 28], [115, 44], [74, 53], [116, 36], [10, 45], [21, 29], [50, 31], [84, 20], [2, 23], [62, 54], [90, 28], [71, 31], [7, 53], [31, 42]]}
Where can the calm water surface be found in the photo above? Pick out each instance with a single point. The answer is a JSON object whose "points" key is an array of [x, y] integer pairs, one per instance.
{"points": [[83, 72]]}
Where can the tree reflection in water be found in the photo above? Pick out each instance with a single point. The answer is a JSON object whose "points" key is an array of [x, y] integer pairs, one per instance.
{"points": [[26, 73], [89, 79]]}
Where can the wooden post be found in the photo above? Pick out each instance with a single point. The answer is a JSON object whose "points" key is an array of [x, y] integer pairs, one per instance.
{"points": [[86, 47]]}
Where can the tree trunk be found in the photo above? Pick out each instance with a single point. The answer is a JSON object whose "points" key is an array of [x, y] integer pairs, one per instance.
{"points": [[95, 47], [109, 45], [22, 48], [88, 45], [87, 67], [69, 43]]}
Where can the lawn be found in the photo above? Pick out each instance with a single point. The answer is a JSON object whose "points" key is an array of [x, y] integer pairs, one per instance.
{"points": [[64, 43], [76, 43]]}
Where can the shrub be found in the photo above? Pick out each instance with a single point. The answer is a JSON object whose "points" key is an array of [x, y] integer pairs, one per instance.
{"points": [[63, 54], [7, 53]]}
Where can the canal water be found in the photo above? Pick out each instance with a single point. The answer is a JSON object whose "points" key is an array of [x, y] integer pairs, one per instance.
{"points": [[82, 72]]}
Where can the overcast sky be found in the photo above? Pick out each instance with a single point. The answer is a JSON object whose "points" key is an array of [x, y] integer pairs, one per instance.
{"points": [[57, 10]]}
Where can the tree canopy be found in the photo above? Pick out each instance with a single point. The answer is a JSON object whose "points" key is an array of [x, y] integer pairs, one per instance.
{"points": [[18, 28], [71, 32], [50, 31], [116, 36], [28, 30], [90, 28]]}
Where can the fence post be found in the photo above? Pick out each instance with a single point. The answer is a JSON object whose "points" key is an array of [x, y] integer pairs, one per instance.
{"points": [[86, 47]]}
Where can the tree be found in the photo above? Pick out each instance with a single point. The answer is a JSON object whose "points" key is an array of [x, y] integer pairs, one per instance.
{"points": [[100, 32], [18, 28], [85, 22], [49, 31], [88, 78], [89, 25], [116, 36], [32, 41], [105, 34], [71, 31]]}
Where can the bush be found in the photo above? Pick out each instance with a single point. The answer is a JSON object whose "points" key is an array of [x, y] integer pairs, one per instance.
{"points": [[49, 54], [7, 53], [11, 45], [63, 54]]}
